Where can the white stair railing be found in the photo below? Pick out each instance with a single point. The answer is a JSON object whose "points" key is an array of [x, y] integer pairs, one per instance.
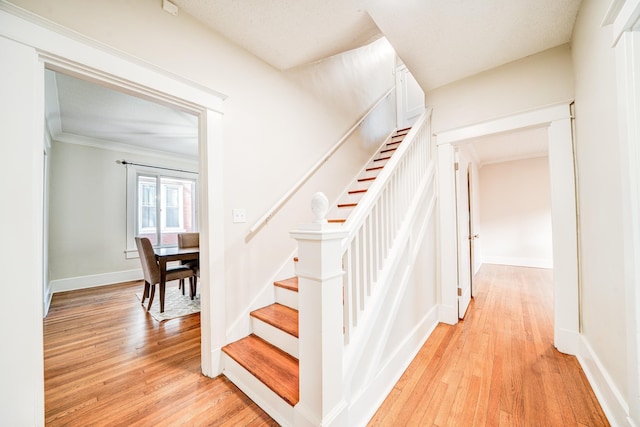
{"points": [[374, 224], [341, 266]]}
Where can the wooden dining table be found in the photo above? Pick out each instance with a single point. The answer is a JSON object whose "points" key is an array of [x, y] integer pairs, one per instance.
{"points": [[168, 254]]}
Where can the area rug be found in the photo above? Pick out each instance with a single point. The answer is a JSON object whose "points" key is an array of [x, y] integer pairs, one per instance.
{"points": [[175, 304]]}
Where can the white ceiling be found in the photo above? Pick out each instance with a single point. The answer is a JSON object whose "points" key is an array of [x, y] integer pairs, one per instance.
{"points": [[442, 41], [508, 146], [439, 40], [287, 33], [78, 111]]}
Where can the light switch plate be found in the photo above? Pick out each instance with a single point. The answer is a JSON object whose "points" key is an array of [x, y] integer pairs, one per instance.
{"points": [[239, 215]]}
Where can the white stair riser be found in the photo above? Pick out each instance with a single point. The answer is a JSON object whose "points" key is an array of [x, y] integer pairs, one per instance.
{"points": [[286, 297], [264, 397], [279, 338]]}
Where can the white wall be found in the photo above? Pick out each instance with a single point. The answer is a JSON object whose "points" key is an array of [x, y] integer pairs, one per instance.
{"points": [[276, 124], [535, 81], [88, 223], [602, 305], [515, 213], [22, 384]]}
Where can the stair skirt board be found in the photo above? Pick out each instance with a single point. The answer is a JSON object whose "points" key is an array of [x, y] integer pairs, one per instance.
{"points": [[263, 396], [367, 401], [286, 297], [284, 341]]}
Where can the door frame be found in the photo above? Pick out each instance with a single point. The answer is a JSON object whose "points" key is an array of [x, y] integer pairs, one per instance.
{"points": [[463, 232], [557, 119], [58, 49]]}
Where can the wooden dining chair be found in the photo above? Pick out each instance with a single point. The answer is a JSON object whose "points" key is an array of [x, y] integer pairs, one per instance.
{"points": [[190, 240], [151, 269]]}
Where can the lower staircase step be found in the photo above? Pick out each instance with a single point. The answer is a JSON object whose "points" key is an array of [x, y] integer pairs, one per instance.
{"points": [[279, 316], [291, 283], [276, 369]]}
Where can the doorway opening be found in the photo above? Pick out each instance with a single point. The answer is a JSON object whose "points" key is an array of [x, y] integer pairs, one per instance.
{"points": [[556, 122]]}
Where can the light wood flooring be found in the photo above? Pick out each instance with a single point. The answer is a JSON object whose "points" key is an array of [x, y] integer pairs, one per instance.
{"points": [[498, 367], [109, 363]]}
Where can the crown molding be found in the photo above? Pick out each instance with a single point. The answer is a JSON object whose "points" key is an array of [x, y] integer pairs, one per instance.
{"points": [[70, 138]]}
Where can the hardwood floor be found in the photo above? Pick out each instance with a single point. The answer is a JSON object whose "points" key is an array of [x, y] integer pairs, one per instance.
{"points": [[108, 363], [498, 367]]}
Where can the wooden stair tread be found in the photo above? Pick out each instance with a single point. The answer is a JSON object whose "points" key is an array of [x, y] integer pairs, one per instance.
{"points": [[381, 159], [407, 129], [279, 316], [347, 205], [337, 221], [367, 179], [273, 367], [374, 168], [389, 150], [358, 191], [290, 284], [394, 142]]}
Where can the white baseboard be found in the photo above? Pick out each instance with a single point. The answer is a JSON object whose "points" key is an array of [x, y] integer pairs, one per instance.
{"points": [[567, 342], [448, 314], [518, 262], [613, 404], [364, 406], [47, 300], [84, 282]]}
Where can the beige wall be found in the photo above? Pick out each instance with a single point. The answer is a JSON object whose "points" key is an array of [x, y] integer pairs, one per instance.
{"points": [[276, 124], [87, 212], [515, 213], [597, 151], [536, 81]]}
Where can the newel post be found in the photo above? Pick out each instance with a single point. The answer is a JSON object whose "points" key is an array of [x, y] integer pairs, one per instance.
{"points": [[320, 320]]}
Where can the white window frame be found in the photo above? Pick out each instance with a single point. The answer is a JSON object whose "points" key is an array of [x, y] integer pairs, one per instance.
{"points": [[133, 171]]}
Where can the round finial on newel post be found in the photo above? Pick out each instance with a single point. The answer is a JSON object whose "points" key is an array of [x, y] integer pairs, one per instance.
{"points": [[319, 207]]}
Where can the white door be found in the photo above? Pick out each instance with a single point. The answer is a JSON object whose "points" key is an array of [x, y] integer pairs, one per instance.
{"points": [[463, 234], [409, 97]]}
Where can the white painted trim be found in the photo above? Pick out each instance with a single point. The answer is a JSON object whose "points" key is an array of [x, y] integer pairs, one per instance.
{"points": [[564, 229], [275, 336], [263, 396], [520, 262], [363, 406], [92, 57], [94, 280], [626, 19], [523, 120], [53, 122], [563, 211], [610, 398], [612, 12], [628, 75], [447, 240], [213, 318], [102, 144], [62, 50]]}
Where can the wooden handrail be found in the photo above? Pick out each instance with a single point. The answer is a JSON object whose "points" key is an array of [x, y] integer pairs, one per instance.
{"points": [[280, 203]]}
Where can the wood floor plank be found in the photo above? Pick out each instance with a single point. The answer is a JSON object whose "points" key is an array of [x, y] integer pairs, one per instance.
{"points": [[499, 366], [107, 362]]}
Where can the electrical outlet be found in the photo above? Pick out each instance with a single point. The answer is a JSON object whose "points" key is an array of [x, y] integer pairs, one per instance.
{"points": [[239, 215]]}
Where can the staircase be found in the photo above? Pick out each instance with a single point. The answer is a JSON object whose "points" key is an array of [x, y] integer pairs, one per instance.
{"points": [[264, 364]]}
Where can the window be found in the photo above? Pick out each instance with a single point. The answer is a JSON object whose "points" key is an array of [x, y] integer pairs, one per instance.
{"points": [[160, 205]]}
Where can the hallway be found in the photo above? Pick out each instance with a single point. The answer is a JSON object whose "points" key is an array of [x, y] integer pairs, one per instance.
{"points": [[498, 367], [108, 363]]}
